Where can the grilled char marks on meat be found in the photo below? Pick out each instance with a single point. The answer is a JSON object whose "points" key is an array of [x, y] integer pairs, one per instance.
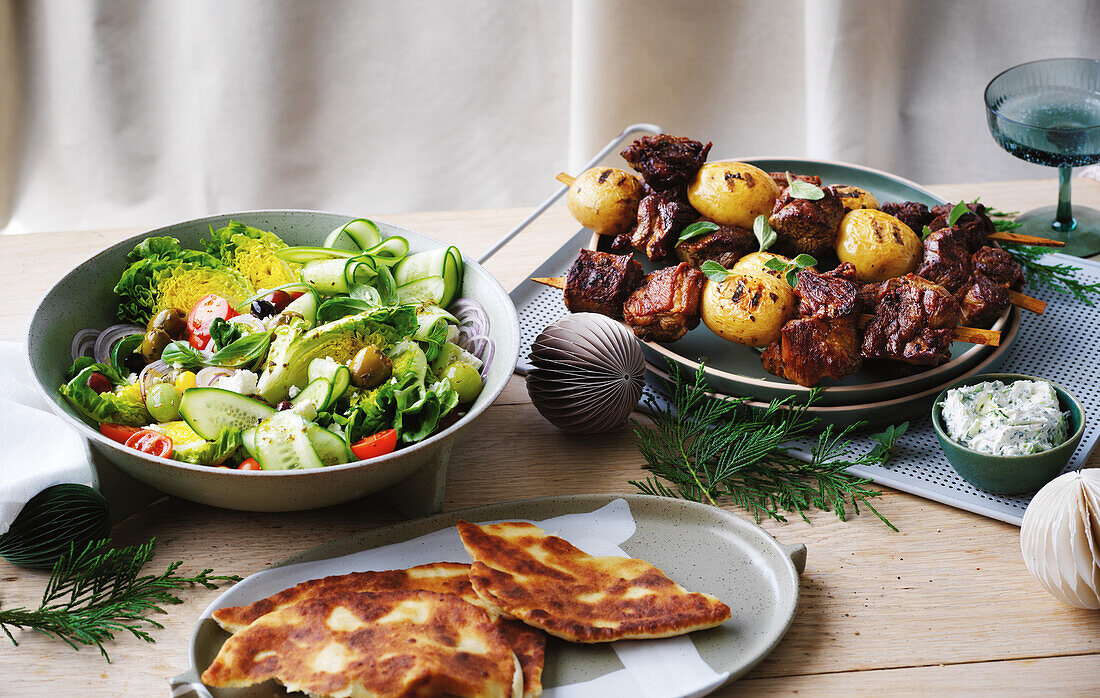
{"points": [[912, 213], [982, 301], [726, 245], [662, 217], [805, 226], [780, 178], [914, 322], [666, 306], [666, 161], [976, 226], [999, 266], [824, 342], [946, 259], [599, 282]]}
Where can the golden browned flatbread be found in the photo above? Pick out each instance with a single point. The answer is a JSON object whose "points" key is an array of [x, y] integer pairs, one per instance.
{"points": [[528, 644], [549, 584], [375, 644]]}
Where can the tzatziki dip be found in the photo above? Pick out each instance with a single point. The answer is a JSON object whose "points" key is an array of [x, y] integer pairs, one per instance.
{"points": [[1017, 419]]}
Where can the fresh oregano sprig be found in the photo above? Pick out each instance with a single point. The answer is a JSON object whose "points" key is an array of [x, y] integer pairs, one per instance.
{"points": [[789, 270], [800, 189], [714, 451], [98, 592], [696, 229]]}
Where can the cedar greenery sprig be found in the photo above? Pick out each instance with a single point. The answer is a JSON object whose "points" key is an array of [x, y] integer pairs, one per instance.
{"points": [[1061, 278], [96, 593], [708, 450]]}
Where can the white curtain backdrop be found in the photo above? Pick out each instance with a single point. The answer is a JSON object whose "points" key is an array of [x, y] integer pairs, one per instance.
{"points": [[143, 112]]}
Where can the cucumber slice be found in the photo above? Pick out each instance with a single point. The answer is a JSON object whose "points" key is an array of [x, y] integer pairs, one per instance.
{"points": [[359, 270], [430, 289], [359, 233], [283, 444], [248, 440], [326, 276], [444, 262], [318, 392], [408, 356], [209, 410], [340, 382], [390, 251], [301, 255], [321, 368], [329, 447], [306, 306]]}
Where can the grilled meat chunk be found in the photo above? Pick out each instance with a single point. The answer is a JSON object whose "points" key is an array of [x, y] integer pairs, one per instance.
{"points": [[976, 225], [824, 342], [599, 282], [666, 306], [999, 266], [912, 213], [946, 259], [982, 301], [780, 178], [661, 218], [805, 226], [666, 161], [726, 245], [914, 321]]}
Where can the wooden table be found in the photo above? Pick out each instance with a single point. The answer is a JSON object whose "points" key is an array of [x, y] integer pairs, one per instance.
{"points": [[945, 605]]}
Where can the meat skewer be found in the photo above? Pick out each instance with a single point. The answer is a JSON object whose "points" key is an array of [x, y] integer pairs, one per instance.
{"points": [[970, 335]]}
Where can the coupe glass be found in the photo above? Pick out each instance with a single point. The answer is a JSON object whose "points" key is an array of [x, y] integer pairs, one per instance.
{"points": [[1048, 112]]}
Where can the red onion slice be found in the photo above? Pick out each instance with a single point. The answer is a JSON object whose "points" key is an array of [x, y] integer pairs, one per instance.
{"points": [[156, 372], [470, 312], [207, 375], [83, 343], [107, 338]]}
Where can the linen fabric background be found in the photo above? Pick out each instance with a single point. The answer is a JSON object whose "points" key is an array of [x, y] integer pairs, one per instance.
{"points": [[144, 112]]}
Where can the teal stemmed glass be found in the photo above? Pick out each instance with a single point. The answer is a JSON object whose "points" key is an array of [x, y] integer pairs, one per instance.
{"points": [[1048, 112]]}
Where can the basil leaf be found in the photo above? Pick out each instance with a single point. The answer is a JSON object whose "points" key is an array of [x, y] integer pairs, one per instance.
{"points": [[714, 271], [925, 232], [804, 190], [366, 293], [804, 260], [224, 333], [386, 285], [183, 355], [957, 213], [696, 229], [122, 350], [336, 308], [763, 231], [775, 264], [243, 351]]}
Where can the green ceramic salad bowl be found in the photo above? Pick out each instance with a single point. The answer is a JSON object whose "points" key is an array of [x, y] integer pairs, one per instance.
{"points": [[414, 476], [1010, 474]]}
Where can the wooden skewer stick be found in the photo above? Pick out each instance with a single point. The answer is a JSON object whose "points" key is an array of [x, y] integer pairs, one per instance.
{"points": [[1026, 302], [567, 180], [971, 335], [1026, 239]]}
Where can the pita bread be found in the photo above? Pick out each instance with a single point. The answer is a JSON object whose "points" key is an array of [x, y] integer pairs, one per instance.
{"points": [[528, 644], [548, 583], [373, 645]]}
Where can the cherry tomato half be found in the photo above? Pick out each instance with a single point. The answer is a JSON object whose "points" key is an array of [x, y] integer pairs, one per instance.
{"points": [[198, 340], [249, 464], [117, 432], [377, 445], [209, 308], [151, 442]]}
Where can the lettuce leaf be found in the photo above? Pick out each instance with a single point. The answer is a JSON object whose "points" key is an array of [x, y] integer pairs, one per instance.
{"points": [[251, 252], [213, 452], [103, 407]]}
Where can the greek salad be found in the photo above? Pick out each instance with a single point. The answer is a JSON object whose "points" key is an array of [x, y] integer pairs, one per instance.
{"points": [[255, 355]]}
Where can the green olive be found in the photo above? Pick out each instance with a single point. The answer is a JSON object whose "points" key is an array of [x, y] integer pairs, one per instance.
{"points": [[465, 380], [163, 402], [153, 344], [171, 321], [370, 368]]}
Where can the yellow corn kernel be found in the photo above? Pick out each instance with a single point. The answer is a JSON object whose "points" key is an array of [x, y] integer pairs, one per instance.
{"points": [[185, 380]]}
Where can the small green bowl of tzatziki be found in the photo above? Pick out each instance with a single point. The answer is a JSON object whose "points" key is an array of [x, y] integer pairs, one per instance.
{"points": [[1006, 433]]}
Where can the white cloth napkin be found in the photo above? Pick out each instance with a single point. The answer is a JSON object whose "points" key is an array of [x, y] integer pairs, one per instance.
{"points": [[37, 449]]}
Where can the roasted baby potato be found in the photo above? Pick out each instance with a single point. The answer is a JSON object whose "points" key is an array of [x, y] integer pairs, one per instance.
{"points": [[748, 309], [878, 245], [605, 199], [754, 264], [732, 193], [855, 198]]}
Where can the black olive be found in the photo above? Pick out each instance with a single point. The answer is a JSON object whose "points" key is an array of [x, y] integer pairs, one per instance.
{"points": [[134, 363], [262, 308], [284, 406]]}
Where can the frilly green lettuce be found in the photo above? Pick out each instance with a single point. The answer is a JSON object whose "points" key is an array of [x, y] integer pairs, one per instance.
{"points": [[103, 407]]}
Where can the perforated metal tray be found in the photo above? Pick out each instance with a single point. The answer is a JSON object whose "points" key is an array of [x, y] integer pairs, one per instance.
{"points": [[1061, 345]]}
